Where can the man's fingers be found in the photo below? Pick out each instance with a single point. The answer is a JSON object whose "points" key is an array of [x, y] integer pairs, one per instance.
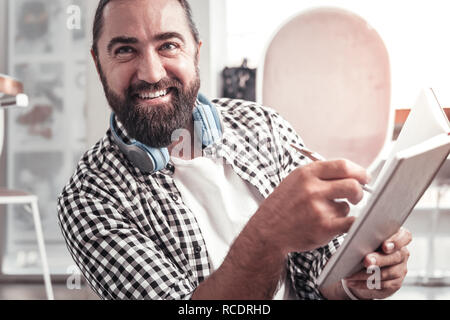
{"points": [[394, 272], [341, 208], [349, 189], [340, 169], [359, 276], [390, 268], [384, 260], [399, 240], [388, 285], [387, 273], [341, 225]]}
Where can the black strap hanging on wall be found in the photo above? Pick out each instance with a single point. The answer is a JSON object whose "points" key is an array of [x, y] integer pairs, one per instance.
{"points": [[239, 83]]}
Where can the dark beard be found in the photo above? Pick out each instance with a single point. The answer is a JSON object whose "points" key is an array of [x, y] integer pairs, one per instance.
{"points": [[153, 126]]}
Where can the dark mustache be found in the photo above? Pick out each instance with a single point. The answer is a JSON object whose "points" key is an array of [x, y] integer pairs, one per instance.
{"points": [[161, 85]]}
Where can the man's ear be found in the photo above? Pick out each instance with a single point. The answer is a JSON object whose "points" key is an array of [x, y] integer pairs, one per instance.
{"points": [[94, 57], [200, 43]]}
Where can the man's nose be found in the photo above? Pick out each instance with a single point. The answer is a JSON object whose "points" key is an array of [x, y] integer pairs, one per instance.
{"points": [[151, 68]]}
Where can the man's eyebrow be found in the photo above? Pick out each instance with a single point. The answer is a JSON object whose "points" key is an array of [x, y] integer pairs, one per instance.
{"points": [[122, 40], [169, 35]]}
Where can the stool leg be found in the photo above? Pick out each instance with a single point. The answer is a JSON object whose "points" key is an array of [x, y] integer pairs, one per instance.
{"points": [[40, 240]]}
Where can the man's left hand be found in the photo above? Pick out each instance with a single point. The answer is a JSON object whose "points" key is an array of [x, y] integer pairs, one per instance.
{"points": [[390, 263]]}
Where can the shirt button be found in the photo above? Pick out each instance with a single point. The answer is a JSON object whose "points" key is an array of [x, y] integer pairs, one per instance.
{"points": [[197, 249], [175, 197]]}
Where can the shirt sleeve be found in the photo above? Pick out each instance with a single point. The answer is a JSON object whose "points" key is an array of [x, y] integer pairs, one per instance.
{"points": [[285, 136], [303, 268], [117, 260]]}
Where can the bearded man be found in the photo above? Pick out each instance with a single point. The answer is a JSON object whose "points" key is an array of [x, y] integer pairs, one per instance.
{"points": [[186, 198]]}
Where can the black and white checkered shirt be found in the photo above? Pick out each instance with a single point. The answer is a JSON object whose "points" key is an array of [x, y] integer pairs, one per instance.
{"points": [[132, 236]]}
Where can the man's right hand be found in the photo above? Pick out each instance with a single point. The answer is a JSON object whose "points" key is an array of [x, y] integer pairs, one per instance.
{"points": [[302, 214]]}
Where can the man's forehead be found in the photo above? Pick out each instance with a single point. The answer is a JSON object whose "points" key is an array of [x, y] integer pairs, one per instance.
{"points": [[144, 18]]}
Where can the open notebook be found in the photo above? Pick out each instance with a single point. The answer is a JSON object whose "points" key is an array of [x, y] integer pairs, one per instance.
{"points": [[420, 150]]}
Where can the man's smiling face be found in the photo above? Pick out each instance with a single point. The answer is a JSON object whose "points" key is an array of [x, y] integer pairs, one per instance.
{"points": [[148, 64]]}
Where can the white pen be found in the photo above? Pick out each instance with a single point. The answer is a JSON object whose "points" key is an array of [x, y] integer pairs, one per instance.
{"points": [[314, 156]]}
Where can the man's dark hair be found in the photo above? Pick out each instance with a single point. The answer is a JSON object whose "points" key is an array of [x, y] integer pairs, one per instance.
{"points": [[98, 22]]}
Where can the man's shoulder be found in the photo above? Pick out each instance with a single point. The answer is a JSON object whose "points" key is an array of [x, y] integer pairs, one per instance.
{"points": [[94, 167], [228, 105], [236, 110]]}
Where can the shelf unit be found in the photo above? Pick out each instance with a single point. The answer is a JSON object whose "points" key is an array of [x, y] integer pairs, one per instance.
{"points": [[45, 140]]}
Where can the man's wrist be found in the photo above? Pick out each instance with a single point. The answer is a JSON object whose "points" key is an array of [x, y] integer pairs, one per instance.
{"points": [[251, 270], [335, 292], [348, 291]]}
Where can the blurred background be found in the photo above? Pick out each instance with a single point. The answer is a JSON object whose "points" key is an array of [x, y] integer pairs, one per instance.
{"points": [[45, 44]]}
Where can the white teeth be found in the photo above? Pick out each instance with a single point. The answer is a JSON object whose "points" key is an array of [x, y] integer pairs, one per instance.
{"points": [[152, 95]]}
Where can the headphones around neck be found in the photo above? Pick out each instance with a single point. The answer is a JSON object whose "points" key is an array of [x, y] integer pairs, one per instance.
{"points": [[207, 125]]}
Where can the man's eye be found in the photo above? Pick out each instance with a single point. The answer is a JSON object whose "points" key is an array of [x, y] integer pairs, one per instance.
{"points": [[169, 46], [124, 50]]}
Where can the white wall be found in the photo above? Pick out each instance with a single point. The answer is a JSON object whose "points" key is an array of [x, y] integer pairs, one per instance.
{"points": [[416, 33], [3, 35], [210, 17]]}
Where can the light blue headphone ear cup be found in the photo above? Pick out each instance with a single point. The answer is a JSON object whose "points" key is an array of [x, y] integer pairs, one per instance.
{"points": [[207, 122], [159, 157], [145, 158], [140, 158]]}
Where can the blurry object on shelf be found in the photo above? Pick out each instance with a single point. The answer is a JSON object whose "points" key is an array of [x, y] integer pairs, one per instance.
{"points": [[38, 121], [239, 83], [8, 101], [34, 24], [9, 85], [37, 24], [36, 115], [34, 20], [11, 93], [44, 82]]}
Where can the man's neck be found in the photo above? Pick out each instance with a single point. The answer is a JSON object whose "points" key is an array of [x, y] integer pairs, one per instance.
{"points": [[180, 148]]}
